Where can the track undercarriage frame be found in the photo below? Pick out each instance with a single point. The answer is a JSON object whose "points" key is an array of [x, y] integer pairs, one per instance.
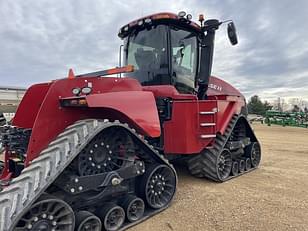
{"points": [[121, 196]]}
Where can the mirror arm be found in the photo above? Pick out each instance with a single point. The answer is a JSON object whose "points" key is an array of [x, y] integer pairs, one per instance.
{"points": [[206, 61]]}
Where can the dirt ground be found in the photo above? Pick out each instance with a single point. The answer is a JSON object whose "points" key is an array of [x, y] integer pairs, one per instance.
{"points": [[273, 197]]}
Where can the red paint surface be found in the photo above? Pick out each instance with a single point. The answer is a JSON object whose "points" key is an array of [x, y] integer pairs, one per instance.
{"points": [[138, 106], [112, 98], [182, 133], [126, 100]]}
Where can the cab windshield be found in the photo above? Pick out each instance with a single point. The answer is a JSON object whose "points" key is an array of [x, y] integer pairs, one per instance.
{"points": [[147, 51], [163, 55]]}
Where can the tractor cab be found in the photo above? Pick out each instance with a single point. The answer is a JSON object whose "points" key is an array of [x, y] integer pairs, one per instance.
{"points": [[170, 49]]}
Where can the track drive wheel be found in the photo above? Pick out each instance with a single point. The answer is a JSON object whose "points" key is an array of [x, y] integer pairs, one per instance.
{"points": [[158, 186], [134, 208], [48, 213], [108, 151], [112, 216], [254, 153], [86, 221]]}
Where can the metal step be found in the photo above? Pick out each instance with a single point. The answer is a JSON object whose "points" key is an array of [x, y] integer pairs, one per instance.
{"points": [[207, 124], [207, 112], [208, 136]]}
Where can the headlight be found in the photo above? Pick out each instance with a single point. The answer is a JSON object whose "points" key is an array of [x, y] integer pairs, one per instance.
{"points": [[86, 90], [76, 91]]}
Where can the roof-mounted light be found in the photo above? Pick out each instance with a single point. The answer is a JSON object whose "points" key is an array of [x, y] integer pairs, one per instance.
{"points": [[201, 19], [189, 17], [182, 14], [148, 20]]}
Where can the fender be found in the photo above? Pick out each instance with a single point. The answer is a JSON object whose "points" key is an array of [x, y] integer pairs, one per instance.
{"points": [[138, 106], [111, 98]]}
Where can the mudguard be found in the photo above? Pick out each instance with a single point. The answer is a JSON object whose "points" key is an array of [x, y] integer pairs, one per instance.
{"points": [[111, 98], [138, 106]]}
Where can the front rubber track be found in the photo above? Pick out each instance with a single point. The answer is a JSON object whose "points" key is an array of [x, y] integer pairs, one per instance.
{"points": [[205, 163], [24, 190]]}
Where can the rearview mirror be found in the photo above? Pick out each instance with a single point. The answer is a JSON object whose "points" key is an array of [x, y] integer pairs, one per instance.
{"points": [[232, 33]]}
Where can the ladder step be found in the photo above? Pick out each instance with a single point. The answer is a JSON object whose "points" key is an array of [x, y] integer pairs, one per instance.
{"points": [[208, 136], [207, 124], [207, 112]]}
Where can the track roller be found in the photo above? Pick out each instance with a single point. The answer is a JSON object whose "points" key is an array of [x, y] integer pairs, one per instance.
{"points": [[253, 151], [48, 213], [235, 168], [86, 221], [158, 186], [134, 208], [247, 164], [1, 167], [233, 153], [241, 166], [112, 216]]}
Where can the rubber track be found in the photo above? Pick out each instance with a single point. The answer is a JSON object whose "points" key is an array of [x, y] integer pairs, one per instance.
{"points": [[24, 190], [204, 164]]}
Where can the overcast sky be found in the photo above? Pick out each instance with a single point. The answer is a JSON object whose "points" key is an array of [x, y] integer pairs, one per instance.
{"points": [[40, 40]]}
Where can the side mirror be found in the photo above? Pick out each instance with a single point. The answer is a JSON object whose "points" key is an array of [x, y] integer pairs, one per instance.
{"points": [[232, 33]]}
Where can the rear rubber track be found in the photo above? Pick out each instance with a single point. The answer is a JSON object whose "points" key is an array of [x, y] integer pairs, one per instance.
{"points": [[205, 163], [24, 190]]}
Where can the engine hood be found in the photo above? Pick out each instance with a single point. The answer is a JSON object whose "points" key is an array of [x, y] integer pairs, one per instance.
{"points": [[218, 86]]}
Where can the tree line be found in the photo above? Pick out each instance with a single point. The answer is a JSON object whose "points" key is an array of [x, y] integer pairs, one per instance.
{"points": [[256, 106]]}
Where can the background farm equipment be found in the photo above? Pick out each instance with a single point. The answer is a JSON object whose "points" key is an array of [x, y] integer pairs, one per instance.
{"points": [[295, 119]]}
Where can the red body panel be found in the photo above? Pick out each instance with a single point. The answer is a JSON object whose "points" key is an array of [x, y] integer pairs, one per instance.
{"points": [[126, 100], [169, 92], [113, 98], [138, 106], [32, 101], [218, 87], [182, 134]]}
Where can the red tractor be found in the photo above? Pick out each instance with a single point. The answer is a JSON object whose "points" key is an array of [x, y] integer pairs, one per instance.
{"points": [[89, 152]]}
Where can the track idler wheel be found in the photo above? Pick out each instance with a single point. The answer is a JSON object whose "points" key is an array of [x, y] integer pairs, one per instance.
{"points": [[254, 153], [112, 216], [134, 208], [86, 221], [224, 164], [48, 213], [235, 168], [241, 166], [158, 186]]}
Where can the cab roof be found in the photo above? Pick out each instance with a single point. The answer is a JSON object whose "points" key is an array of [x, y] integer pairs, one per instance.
{"points": [[164, 17]]}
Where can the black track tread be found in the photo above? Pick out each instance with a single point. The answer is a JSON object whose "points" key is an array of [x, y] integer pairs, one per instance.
{"points": [[25, 189], [204, 164]]}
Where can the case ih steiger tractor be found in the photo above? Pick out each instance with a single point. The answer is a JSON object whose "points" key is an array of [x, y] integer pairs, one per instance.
{"points": [[93, 153]]}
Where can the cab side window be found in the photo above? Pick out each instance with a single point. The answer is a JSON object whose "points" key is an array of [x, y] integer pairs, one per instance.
{"points": [[184, 59]]}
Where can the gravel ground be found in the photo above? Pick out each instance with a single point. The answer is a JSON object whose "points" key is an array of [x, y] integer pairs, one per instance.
{"points": [[273, 197]]}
